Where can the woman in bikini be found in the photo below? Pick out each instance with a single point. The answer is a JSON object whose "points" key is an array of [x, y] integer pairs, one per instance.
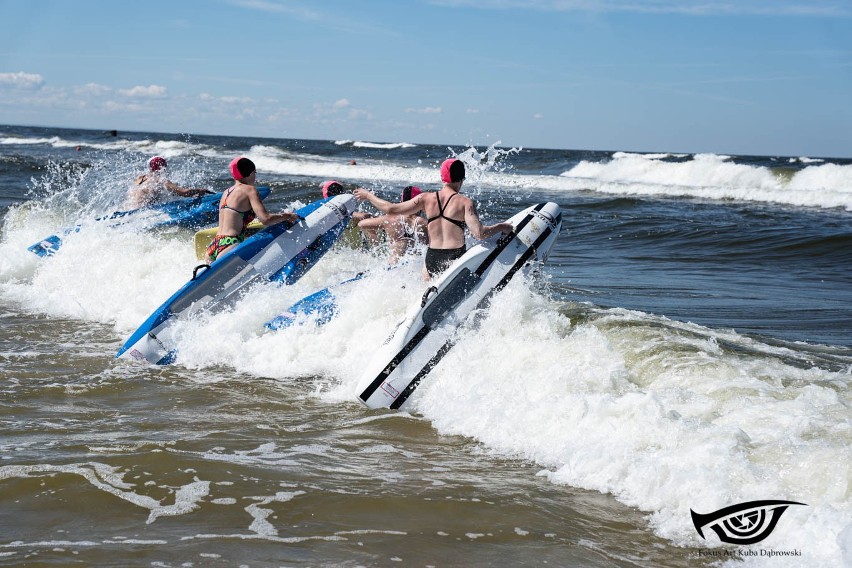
{"points": [[448, 213], [239, 206]]}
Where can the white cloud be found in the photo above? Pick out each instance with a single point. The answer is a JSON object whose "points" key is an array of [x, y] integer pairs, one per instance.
{"points": [[130, 107], [359, 114], [426, 110], [242, 114], [93, 89], [22, 80], [472, 111], [282, 114], [233, 100], [325, 109], [538, 116], [151, 91]]}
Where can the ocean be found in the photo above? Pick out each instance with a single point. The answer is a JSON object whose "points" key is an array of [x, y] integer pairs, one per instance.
{"points": [[687, 347]]}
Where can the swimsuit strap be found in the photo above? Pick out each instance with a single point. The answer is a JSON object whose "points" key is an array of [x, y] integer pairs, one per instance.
{"points": [[248, 215], [460, 224], [225, 205]]}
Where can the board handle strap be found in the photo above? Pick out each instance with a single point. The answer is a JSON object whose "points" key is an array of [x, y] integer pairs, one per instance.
{"points": [[428, 291], [197, 268]]}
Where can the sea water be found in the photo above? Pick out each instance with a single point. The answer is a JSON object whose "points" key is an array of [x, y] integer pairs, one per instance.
{"points": [[687, 347]]}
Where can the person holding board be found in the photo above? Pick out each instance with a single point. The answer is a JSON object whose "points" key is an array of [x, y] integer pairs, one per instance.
{"points": [[150, 188], [239, 206], [448, 214]]}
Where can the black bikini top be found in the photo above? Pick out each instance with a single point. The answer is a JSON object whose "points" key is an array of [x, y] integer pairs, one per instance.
{"points": [[460, 224]]}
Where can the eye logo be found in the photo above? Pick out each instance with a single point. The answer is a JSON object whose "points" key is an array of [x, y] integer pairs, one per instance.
{"points": [[745, 523]]}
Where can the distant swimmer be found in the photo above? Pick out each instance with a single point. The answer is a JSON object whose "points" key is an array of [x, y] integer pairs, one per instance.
{"points": [[239, 206], [353, 163], [402, 232], [448, 214], [153, 186]]}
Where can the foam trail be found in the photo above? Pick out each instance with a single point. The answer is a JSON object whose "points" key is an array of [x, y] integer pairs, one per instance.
{"points": [[108, 479]]}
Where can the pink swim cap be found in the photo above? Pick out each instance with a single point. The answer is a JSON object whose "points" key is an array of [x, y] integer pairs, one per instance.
{"points": [[452, 170], [331, 188], [156, 163], [410, 192], [241, 167]]}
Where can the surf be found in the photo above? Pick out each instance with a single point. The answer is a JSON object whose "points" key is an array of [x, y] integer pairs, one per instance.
{"points": [[664, 415]]}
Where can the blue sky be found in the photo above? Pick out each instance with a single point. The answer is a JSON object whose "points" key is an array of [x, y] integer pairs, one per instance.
{"points": [[722, 76]]}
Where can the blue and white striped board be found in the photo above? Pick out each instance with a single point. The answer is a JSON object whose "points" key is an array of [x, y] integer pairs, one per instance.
{"points": [[321, 304], [429, 329], [192, 213], [280, 253]]}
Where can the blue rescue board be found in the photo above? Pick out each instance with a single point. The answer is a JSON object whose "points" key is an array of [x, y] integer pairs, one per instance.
{"points": [[280, 253], [191, 213], [321, 304]]}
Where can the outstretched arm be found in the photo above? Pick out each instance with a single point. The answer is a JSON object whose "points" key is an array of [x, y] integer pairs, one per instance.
{"points": [[186, 191], [405, 208], [477, 229]]}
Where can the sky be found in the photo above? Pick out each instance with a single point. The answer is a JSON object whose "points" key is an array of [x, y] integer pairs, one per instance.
{"points": [[762, 77]]}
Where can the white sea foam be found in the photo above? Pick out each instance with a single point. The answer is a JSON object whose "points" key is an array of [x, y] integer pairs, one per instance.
{"points": [[59, 142], [260, 525], [111, 480], [379, 145], [806, 160], [384, 146], [9, 140], [716, 177]]}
